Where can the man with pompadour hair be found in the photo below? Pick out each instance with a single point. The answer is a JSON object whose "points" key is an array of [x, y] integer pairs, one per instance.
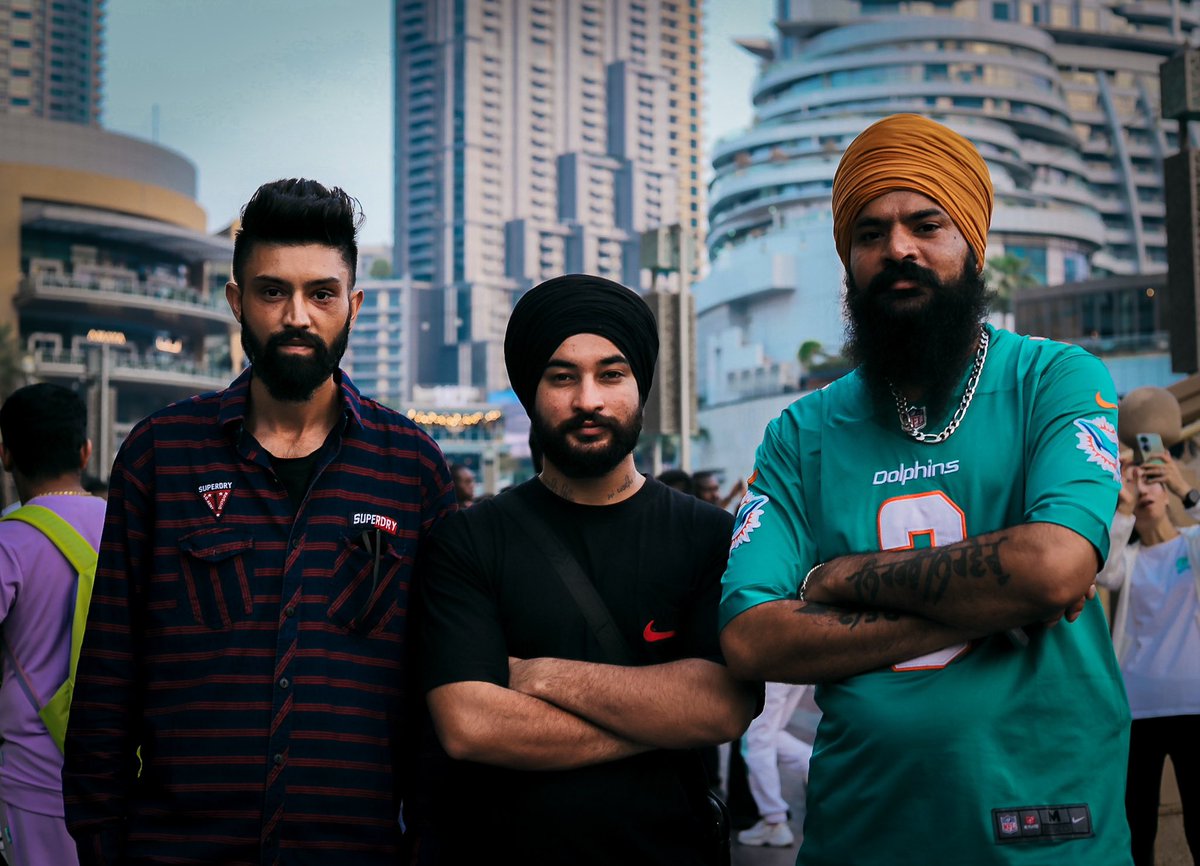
{"points": [[912, 532], [241, 697]]}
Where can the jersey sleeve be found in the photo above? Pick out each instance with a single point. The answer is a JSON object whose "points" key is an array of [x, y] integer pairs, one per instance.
{"points": [[772, 546], [1074, 471], [461, 639]]}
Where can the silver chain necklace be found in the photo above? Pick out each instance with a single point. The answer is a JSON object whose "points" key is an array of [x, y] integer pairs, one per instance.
{"points": [[912, 418]]}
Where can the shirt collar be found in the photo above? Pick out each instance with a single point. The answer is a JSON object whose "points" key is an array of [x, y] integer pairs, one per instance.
{"points": [[235, 397]]}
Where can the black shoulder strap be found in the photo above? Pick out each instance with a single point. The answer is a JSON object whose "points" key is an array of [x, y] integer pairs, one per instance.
{"points": [[598, 617]]}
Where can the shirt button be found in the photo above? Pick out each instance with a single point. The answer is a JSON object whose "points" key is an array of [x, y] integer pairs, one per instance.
{"points": [[278, 760], [289, 610], [283, 682], [295, 542]]}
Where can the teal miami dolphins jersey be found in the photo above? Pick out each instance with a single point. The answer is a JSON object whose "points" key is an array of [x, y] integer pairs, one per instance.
{"points": [[992, 753]]}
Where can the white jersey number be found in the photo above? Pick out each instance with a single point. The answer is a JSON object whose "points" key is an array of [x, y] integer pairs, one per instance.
{"points": [[902, 521], [906, 518]]}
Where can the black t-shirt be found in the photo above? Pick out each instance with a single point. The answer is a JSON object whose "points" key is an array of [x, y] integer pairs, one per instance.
{"points": [[656, 560], [295, 473]]}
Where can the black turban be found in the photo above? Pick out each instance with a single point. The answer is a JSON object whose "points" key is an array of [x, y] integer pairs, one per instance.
{"points": [[577, 304]]}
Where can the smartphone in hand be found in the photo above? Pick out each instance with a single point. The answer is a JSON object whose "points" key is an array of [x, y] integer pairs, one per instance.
{"points": [[1149, 448]]}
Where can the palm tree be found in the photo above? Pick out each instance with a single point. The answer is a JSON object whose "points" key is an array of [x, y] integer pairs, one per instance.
{"points": [[1007, 275], [807, 353]]}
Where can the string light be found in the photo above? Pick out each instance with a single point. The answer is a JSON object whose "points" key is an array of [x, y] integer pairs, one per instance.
{"points": [[454, 419]]}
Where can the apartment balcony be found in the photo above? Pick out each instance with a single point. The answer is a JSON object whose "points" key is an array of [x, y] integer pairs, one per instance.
{"points": [[1077, 224], [1131, 344], [167, 373], [105, 293], [749, 273]]}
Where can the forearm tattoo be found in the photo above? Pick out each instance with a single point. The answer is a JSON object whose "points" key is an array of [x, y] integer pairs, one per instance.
{"points": [[849, 618], [928, 574]]}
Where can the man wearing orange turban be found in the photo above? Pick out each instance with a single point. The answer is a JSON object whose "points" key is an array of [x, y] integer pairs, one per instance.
{"points": [[911, 532]]}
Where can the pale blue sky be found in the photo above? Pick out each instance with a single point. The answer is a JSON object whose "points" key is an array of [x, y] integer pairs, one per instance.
{"points": [[253, 90]]}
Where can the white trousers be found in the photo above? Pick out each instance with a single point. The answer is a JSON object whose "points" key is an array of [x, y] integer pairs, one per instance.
{"points": [[767, 746]]}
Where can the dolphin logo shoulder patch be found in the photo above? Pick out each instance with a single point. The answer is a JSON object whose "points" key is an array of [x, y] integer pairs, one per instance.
{"points": [[748, 518], [1097, 438]]}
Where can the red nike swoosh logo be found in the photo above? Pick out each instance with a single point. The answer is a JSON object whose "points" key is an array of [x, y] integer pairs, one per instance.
{"points": [[651, 635]]}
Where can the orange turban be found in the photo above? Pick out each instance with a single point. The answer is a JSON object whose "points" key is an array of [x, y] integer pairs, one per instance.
{"points": [[906, 151]]}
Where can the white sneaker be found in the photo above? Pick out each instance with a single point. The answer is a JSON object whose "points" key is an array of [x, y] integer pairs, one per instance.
{"points": [[771, 835]]}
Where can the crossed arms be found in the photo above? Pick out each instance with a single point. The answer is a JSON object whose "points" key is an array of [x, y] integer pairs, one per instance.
{"points": [[865, 611], [559, 714]]}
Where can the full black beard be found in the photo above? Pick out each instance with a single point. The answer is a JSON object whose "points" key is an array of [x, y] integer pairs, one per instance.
{"points": [[590, 462], [925, 347], [289, 378]]}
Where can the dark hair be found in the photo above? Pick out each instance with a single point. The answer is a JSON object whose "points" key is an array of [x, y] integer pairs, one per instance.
{"points": [[678, 479], [44, 427], [294, 212], [704, 473]]}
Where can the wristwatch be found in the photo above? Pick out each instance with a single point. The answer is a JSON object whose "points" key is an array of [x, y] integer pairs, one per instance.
{"points": [[1192, 499]]}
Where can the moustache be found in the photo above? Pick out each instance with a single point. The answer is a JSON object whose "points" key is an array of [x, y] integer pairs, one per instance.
{"points": [[294, 336], [577, 421], [894, 272]]}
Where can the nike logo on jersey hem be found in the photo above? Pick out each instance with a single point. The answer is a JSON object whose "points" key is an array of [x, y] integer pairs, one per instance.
{"points": [[651, 635]]}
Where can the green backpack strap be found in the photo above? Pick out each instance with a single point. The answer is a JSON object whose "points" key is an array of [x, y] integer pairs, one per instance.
{"points": [[82, 557]]}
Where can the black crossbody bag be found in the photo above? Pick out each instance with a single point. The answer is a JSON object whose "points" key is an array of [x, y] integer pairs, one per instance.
{"points": [[715, 817]]}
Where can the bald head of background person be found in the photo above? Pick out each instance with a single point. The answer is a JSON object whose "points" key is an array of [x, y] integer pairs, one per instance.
{"points": [[912, 202]]}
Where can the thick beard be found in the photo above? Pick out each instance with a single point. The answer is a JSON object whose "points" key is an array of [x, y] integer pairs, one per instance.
{"points": [[290, 378], [926, 346], [594, 461]]}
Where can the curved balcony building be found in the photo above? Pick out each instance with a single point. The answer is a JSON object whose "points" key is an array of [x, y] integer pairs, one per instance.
{"points": [[108, 282], [1061, 98]]}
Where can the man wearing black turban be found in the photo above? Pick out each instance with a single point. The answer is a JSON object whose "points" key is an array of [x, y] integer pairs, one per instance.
{"points": [[565, 737]]}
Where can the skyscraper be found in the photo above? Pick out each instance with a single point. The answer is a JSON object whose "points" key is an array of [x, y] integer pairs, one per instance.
{"points": [[1060, 97], [108, 281], [534, 138], [51, 59]]}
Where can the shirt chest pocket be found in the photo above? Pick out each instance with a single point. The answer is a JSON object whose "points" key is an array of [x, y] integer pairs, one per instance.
{"points": [[215, 565], [370, 583]]}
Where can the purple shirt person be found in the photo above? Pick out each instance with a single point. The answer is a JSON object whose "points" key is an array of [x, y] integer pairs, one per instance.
{"points": [[45, 447]]}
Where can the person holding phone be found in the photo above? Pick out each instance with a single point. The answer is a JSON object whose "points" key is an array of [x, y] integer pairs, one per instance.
{"points": [[1156, 632]]}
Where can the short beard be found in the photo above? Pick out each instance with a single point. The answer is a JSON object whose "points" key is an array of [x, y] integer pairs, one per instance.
{"points": [[291, 378], [925, 347], [589, 461]]}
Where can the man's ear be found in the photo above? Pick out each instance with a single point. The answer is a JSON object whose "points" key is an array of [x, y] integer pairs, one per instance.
{"points": [[233, 296], [6, 457], [85, 454]]}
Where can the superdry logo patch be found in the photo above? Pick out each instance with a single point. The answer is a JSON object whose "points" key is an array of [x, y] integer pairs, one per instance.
{"points": [[387, 524], [215, 496], [1098, 440], [747, 519]]}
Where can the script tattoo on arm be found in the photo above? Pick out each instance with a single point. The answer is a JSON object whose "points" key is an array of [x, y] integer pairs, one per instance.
{"points": [[851, 619], [929, 573]]}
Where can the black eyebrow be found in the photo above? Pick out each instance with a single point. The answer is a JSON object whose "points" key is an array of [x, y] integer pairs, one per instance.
{"points": [[875, 222], [604, 362], [271, 278]]}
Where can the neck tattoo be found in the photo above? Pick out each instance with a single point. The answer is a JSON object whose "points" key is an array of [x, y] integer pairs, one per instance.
{"points": [[625, 485], [913, 418]]}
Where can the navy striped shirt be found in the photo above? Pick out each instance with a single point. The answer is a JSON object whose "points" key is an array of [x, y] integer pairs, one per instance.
{"points": [[250, 651]]}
